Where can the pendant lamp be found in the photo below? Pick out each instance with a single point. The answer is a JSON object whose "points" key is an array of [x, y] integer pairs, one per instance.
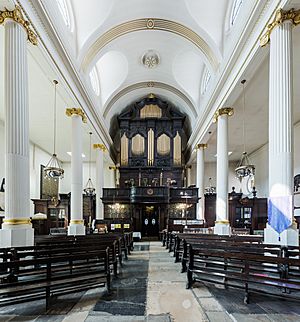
{"points": [[53, 168], [89, 189]]}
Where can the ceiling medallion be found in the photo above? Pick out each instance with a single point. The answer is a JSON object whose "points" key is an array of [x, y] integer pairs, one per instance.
{"points": [[150, 23], [150, 59]]}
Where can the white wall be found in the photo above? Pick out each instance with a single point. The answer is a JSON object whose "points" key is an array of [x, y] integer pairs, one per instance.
{"points": [[260, 159], [65, 183], [211, 172]]}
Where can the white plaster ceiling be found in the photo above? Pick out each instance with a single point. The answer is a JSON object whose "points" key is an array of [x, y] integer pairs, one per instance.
{"points": [[119, 61]]}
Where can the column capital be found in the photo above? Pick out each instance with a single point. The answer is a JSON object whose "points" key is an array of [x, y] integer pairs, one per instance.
{"points": [[100, 146], [17, 16], [223, 111], [280, 16], [201, 146], [76, 111]]}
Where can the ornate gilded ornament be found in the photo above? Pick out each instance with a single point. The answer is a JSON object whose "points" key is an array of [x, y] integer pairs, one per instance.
{"points": [[17, 16], [222, 111], [76, 111], [201, 146], [100, 146], [280, 16], [150, 59]]}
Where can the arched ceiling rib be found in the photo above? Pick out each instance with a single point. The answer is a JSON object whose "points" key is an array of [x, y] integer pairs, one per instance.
{"points": [[150, 85], [150, 24]]}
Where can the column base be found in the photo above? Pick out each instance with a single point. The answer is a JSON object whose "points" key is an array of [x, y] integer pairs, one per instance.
{"points": [[16, 235], [289, 237], [76, 229], [222, 228]]}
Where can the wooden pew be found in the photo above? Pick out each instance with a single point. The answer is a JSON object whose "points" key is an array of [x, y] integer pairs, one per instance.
{"points": [[183, 240], [34, 273], [261, 273]]}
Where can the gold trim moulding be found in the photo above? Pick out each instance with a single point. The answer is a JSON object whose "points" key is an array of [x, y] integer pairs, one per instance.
{"points": [[17, 16], [223, 111], [280, 16], [77, 221], [17, 221], [100, 146], [222, 222], [76, 111], [201, 146]]}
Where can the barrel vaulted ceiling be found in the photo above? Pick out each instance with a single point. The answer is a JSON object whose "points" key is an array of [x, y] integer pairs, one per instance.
{"points": [[108, 38]]}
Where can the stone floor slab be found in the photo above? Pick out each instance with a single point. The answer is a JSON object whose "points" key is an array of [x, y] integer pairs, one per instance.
{"points": [[218, 317], [210, 304], [251, 317]]}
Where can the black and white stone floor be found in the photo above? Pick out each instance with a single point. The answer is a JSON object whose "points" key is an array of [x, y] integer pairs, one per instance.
{"points": [[151, 288]]}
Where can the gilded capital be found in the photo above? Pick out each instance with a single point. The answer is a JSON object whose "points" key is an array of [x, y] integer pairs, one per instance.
{"points": [[76, 111], [223, 111], [100, 146], [280, 16], [17, 16], [201, 146]]}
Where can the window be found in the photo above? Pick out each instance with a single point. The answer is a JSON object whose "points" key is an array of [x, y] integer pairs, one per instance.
{"points": [[205, 81], [63, 8], [95, 81], [235, 10]]}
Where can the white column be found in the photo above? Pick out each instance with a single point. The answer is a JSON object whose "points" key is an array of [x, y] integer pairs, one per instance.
{"points": [[200, 180], [99, 180], [281, 228], [16, 229], [76, 226], [222, 226]]}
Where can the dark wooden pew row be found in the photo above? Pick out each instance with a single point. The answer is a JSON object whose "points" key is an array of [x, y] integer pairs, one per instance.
{"points": [[241, 268], [114, 242], [181, 242], [33, 273]]}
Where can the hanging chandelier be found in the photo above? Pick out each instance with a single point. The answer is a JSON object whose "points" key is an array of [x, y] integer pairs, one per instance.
{"points": [[89, 189], [244, 167], [53, 168]]}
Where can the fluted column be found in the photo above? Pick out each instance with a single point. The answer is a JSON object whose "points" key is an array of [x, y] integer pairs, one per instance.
{"points": [[16, 229], [200, 180], [99, 180], [76, 226], [281, 228], [222, 226]]}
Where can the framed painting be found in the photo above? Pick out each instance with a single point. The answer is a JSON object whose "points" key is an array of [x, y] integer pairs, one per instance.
{"points": [[48, 186]]}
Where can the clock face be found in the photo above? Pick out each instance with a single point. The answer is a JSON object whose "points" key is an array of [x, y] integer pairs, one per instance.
{"points": [[149, 191]]}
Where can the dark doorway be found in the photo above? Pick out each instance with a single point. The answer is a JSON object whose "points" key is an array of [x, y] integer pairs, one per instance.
{"points": [[150, 221]]}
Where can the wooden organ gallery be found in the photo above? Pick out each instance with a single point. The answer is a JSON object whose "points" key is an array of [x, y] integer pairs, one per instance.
{"points": [[151, 190]]}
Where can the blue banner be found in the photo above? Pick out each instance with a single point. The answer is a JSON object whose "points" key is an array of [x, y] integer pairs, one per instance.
{"points": [[280, 213]]}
